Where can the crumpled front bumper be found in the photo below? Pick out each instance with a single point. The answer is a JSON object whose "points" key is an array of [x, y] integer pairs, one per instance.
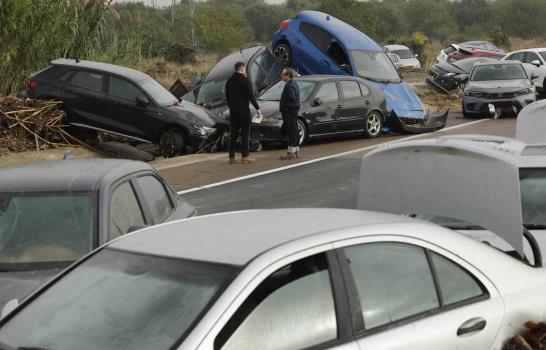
{"points": [[417, 125], [480, 106]]}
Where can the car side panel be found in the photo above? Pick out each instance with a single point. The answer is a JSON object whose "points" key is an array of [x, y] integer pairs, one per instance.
{"points": [[84, 106]]}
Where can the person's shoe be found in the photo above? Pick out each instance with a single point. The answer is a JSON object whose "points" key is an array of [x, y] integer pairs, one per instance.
{"points": [[289, 156], [297, 154], [232, 161], [247, 160]]}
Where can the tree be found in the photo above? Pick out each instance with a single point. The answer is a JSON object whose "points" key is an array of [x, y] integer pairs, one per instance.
{"points": [[360, 15]]}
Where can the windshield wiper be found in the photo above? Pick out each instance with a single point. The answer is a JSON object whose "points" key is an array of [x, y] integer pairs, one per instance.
{"points": [[535, 226]]}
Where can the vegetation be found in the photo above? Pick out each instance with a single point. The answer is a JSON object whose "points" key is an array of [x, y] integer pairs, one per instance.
{"points": [[33, 32]]}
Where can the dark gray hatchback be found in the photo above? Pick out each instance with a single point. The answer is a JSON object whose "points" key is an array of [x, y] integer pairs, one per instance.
{"points": [[52, 213]]}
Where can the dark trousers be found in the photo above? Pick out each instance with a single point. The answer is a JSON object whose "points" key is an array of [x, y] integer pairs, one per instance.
{"points": [[290, 122], [240, 125]]}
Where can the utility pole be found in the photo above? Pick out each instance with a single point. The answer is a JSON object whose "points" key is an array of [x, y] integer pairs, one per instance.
{"points": [[172, 12], [192, 17]]}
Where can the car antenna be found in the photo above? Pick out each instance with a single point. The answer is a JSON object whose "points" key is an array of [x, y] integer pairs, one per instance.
{"points": [[68, 155]]}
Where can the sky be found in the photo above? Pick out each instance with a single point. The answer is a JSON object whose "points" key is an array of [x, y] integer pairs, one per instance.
{"points": [[168, 2]]}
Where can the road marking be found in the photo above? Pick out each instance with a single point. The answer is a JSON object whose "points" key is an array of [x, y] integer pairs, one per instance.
{"points": [[316, 160]]}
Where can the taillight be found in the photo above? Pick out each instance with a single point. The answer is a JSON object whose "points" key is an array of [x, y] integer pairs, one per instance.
{"points": [[284, 24], [32, 84]]}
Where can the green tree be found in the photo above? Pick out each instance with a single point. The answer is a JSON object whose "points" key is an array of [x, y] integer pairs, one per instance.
{"points": [[360, 15]]}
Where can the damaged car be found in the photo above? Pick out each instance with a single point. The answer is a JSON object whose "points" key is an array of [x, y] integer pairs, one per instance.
{"points": [[330, 106], [455, 52], [54, 212], [124, 102], [317, 43], [450, 76], [534, 61], [494, 88]]}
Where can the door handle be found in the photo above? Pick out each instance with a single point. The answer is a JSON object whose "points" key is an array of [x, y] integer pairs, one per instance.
{"points": [[367, 102], [471, 326], [339, 107]]}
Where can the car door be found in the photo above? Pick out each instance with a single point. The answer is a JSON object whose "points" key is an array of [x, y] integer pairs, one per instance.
{"points": [[84, 99], [125, 210], [129, 117], [300, 304], [354, 107], [324, 106], [540, 70], [414, 297]]}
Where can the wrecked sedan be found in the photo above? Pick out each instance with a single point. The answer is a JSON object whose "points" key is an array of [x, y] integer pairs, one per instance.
{"points": [[124, 102], [455, 52], [494, 88], [53, 213], [330, 106], [450, 76], [317, 43], [302, 282], [262, 71]]}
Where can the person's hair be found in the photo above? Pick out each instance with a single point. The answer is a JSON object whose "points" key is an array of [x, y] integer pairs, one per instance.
{"points": [[290, 72], [239, 65]]}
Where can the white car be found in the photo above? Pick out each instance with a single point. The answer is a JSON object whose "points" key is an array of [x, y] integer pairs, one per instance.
{"points": [[535, 60], [407, 58], [283, 279]]}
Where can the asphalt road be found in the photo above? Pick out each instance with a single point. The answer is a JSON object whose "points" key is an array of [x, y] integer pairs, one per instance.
{"points": [[321, 179]]}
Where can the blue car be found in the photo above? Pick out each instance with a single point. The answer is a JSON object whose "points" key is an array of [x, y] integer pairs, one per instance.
{"points": [[317, 43]]}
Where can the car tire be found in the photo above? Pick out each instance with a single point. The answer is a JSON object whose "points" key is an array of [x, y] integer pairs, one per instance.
{"points": [[302, 132], [171, 143], [283, 53], [373, 124], [120, 150]]}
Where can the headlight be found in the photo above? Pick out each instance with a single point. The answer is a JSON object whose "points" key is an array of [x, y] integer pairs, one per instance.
{"points": [[473, 93], [202, 130], [449, 74], [529, 90]]}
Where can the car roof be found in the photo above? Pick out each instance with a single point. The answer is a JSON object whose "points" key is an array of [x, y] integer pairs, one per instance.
{"points": [[497, 62], [537, 50], [349, 36], [131, 74], [226, 66], [237, 238], [77, 175], [397, 47]]}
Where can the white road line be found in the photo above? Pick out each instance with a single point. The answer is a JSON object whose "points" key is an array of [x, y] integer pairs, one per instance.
{"points": [[316, 160]]}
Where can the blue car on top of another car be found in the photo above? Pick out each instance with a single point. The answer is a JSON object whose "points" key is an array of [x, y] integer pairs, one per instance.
{"points": [[317, 43]]}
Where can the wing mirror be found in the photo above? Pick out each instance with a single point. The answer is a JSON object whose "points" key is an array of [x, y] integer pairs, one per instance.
{"points": [[346, 68], [534, 76], [463, 77], [416, 56], [317, 101], [536, 63], [142, 102], [9, 307]]}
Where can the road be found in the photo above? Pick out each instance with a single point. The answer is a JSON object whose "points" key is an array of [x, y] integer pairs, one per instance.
{"points": [[327, 175]]}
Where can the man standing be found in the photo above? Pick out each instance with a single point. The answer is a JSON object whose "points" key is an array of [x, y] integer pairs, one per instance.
{"points": [[239, 94], [290, 106]]}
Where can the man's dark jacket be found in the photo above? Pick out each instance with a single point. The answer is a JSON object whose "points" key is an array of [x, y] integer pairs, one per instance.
{"points": [[239, 94], [290, 97]]}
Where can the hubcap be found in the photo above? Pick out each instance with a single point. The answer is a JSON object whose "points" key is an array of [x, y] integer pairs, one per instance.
{"points": [[374, 124], [167, 145], [301, 132], [281, 53]]}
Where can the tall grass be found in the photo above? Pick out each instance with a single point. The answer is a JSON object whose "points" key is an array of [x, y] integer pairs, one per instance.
{"points": [[34, 32]]}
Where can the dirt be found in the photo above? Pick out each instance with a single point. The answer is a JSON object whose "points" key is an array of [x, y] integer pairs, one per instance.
{"points": [[434, 100], [14, 158]]}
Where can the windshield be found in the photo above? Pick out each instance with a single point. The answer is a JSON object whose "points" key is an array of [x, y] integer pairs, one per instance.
{"points": [[404, 53], [543, 54], [160, 95], [375, 65], [42, 230], [211, 92], [533, 197], [274, 93], [119, 300], [498, 72]]}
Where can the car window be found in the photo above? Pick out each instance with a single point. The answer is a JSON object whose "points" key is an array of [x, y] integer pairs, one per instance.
{"points": [[257, 76], [125, 211], [489, 47], [274, 93], [88, 80], [448, 50], [364, 89], [531, 56], [456, 284], [328, 92], [394, 281], [295, 305], [543, 54], [350, 89], [518, 56], [124, 89], [156, 197], [318, 36], [266, 61]]}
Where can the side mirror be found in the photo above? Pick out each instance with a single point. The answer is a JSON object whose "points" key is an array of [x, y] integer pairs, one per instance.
{"points": [[9, 307], [346, 68], [462, 77], [416, 56], [536, 63], [142, 102], [534, 76], [136, 228], [317, 101]]}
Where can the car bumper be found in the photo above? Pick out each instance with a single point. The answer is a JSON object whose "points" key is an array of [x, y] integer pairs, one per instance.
{"points": [[480, 106], [442, 83], [429, 123]]}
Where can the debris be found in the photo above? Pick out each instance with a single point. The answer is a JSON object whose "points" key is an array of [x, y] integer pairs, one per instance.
{"points": [[180, 88], [533, 337]]}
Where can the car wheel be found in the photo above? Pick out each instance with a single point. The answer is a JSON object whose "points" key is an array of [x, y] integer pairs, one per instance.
{"points": [[171, 143], [302, 132], [283, 53], [373, 124]]}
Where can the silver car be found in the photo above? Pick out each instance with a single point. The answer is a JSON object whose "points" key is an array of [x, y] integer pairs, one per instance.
{"points": [[283, 279]]}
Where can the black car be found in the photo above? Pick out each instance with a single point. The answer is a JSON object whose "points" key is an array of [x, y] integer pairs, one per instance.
{"points": [[330, 105], [52, 213], [124, 102], [262, 71], [449, 76]]}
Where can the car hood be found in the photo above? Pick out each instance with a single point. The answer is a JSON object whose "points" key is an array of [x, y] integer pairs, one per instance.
{"points": [[446, 67], [498, 85], [402, 100], [20, 284], [194, 114], [269, 109]]}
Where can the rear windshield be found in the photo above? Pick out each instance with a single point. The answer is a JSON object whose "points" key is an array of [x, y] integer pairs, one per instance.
{"points": [[405, 53], [498, 72], [119, 300]]}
